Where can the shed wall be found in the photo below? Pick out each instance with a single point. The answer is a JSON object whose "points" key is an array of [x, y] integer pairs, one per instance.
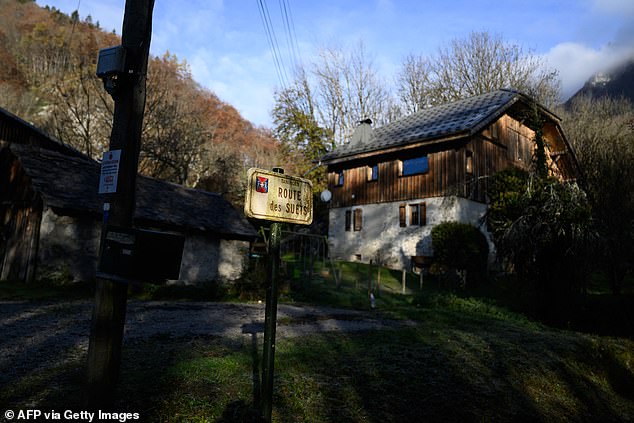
{"points": [[68, 247]]}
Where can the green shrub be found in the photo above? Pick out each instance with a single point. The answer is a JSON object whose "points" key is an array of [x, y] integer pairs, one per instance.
{"points": [[461, 247]]}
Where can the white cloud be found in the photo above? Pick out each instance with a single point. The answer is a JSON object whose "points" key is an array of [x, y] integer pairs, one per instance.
{"points": [[576, 63]]}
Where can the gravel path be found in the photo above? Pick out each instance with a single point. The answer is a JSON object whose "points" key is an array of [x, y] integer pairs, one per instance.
{"points": [[38, 335]]}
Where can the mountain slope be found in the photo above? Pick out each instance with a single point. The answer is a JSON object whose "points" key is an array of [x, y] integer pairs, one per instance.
{"points": [[615, 84]]}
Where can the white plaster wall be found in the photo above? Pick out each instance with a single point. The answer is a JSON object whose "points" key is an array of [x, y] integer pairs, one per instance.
{"points": [[381, 235]]}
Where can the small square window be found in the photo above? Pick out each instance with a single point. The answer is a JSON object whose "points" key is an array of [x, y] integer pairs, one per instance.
{"points": [[418, 214]]}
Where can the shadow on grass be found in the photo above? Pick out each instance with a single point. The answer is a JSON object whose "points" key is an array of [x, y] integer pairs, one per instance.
{"points": [[453, 366]]}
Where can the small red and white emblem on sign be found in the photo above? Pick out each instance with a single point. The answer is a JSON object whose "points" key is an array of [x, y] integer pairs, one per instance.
{"points": [[262, 184]]}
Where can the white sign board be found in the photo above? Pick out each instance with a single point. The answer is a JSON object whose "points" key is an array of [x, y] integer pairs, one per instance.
{"points": [[278, 197], [109, 172]]}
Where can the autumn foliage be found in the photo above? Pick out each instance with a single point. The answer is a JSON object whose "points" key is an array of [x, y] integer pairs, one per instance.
{"points": [[190, 136]]}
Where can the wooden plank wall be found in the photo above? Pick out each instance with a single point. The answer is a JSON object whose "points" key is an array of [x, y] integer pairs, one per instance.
{"points": [[20, 217], [508, 144], [443, 175]]}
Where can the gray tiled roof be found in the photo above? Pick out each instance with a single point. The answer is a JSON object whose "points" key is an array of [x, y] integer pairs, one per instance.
{"points": [[461, 117], [71, 183]]}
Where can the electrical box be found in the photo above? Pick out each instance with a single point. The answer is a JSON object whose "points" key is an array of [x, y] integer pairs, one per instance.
{"points": [[117, 256], [111, 61]]}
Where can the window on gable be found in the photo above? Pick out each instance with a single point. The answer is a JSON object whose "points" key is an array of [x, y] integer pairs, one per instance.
{"points": [[358, 217], [469, 163], [373, 173], [494, 131], [418, 214], [415, 166], [348, 220]]}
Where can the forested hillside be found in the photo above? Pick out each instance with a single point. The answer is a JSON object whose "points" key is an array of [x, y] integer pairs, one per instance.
{"points": [[190, 136]]}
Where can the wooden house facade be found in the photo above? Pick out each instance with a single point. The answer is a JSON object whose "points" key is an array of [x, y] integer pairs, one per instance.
{"points": [[392, 184], [51, 214]]}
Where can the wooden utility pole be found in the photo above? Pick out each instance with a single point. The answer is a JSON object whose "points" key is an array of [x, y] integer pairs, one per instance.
{"points": [[128, 91]]}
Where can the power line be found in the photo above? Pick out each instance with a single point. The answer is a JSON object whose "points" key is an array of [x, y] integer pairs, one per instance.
{"points": [[291, 39], [272, 39]]}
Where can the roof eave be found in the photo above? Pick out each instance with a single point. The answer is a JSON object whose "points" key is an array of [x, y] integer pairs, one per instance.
{"points": [[399, 147]]}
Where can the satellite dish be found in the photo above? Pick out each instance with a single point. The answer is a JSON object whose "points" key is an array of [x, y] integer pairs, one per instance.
{"points": [[325, 196]]}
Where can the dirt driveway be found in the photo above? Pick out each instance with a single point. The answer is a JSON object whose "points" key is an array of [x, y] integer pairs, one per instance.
{"points": [[38, 335]]}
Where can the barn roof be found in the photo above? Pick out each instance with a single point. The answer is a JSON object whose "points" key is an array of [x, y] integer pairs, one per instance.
{"points": [[461, 118], [70, 182]]}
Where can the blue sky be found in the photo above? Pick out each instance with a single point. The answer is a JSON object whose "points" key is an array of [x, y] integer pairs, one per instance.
{"points": [[225, 44]]}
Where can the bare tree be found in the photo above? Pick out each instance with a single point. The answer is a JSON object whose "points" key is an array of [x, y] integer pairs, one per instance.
{"points": [[349, 89], [475, 65], [334, 93], [173, 131], [414, 82], [81, 115]]}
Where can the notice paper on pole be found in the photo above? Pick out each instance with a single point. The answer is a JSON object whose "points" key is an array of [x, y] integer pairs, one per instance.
{"points": [[109, 172], [278, 197]]}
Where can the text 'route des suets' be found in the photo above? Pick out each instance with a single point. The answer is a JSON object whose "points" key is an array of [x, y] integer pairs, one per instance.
{"points": [[290, 202]]}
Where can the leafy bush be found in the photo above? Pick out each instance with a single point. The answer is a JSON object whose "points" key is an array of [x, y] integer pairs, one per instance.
{"points": [[460, 246], [543, 230]]}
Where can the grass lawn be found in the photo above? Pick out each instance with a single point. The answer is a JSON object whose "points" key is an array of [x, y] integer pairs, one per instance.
{"points": [[466, 359]]}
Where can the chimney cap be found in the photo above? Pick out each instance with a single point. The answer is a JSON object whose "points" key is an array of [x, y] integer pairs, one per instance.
{"points": [[367, 121]]}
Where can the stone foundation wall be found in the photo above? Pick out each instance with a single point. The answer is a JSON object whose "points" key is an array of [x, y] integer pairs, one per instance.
{"points": [[382, 238]]}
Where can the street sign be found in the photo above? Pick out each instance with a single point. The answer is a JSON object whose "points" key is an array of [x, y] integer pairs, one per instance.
{"points": [[278, 197], [109, 172]]}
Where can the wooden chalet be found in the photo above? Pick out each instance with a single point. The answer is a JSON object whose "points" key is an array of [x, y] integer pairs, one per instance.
{"points": [[392, 184], [51, 217]]}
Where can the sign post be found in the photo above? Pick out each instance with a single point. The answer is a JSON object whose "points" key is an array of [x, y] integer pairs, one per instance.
{"points": [[279, 198], [270, 321]]}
